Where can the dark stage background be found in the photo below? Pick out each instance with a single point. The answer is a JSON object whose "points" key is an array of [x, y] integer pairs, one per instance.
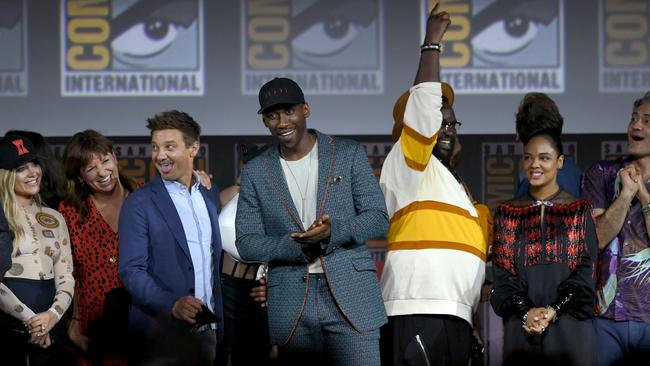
{"points": [[489, 163]]}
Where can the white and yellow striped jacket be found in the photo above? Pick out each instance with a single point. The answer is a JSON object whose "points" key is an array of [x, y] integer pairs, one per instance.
{"points": [[437, 239]]}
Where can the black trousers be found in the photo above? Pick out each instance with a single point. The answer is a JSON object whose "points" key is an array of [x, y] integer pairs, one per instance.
{"points": [[16, 350], [177, 344], [444, 340], [247, 330]]}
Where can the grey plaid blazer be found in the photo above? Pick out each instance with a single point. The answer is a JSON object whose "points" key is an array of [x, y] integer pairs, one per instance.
{"points": [[349, 192]]}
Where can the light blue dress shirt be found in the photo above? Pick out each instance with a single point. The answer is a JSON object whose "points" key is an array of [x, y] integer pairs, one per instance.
{"points": [[196, 222]]}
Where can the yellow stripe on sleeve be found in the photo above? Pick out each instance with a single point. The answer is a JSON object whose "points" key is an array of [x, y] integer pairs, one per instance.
{"points": [[416, 147]]}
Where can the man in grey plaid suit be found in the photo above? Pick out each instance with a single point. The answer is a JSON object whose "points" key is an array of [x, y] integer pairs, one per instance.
{"points": [[307, 205]]}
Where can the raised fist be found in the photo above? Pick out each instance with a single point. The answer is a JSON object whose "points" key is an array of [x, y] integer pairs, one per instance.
{"points": [[437, 25]]}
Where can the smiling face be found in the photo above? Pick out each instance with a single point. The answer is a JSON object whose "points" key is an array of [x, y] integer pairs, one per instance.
{"points": [[444, 147], [100, 173], [638, 132], [173, 159], [289, 124], [28, 182], [541, 162]]}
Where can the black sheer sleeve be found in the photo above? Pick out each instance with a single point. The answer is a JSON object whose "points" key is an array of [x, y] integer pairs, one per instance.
{"points": [[576, 294], [509, 294]]}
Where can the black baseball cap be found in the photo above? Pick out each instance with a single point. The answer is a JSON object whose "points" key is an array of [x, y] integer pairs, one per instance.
{"points": [[16, 151], [280, 91]]}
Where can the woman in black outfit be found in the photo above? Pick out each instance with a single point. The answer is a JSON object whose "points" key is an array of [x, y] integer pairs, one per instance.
{"points": [[544, 254]]}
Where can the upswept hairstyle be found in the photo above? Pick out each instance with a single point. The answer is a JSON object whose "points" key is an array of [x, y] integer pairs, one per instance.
{"points": [[52, 180], [176, 120], [10, 204], [77, 154], [537, 112], [643, 100], [554, 139]]}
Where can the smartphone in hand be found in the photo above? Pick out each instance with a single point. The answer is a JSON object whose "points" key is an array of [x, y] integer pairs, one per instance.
{"points": [[206, 316]]}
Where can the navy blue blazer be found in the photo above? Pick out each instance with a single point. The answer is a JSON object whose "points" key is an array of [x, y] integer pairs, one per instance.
{"points": [[349, 192], [155, 263]]}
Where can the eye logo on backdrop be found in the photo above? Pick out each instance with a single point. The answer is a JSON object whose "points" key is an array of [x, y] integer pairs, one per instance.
{"points": [[502, 46], [326, 46], [132, 47], [624, 46], [13, 48]]}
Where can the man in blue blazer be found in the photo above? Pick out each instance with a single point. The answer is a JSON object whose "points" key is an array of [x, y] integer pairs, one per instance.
{"points": [[307, 205], [170, 249]]}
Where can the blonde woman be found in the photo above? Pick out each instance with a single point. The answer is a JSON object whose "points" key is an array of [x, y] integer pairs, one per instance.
{"points": [[38, 288]]}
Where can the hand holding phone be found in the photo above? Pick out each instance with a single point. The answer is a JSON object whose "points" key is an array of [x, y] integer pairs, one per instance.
{"points": [[206, 316]]}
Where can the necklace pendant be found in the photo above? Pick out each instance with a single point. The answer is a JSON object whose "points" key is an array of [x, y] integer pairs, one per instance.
{"points": [[112, 259]]}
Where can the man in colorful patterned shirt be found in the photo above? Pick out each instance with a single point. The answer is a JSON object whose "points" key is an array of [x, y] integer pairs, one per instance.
{"points": [[618, 191]]}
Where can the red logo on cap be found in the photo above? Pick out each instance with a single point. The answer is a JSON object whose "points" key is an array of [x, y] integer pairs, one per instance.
{"points": [[20, 145]]}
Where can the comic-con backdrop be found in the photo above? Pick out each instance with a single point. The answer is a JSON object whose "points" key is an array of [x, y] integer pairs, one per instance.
{"points": [[68, 65], [110, 64], [489, 164]]}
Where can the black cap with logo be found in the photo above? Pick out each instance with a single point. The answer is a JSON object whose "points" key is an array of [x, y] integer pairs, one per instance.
{"points": [[15, 151], [280, 91]]}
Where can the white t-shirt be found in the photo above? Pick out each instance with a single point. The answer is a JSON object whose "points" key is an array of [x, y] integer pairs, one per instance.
{"points": [[302, 179]]}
